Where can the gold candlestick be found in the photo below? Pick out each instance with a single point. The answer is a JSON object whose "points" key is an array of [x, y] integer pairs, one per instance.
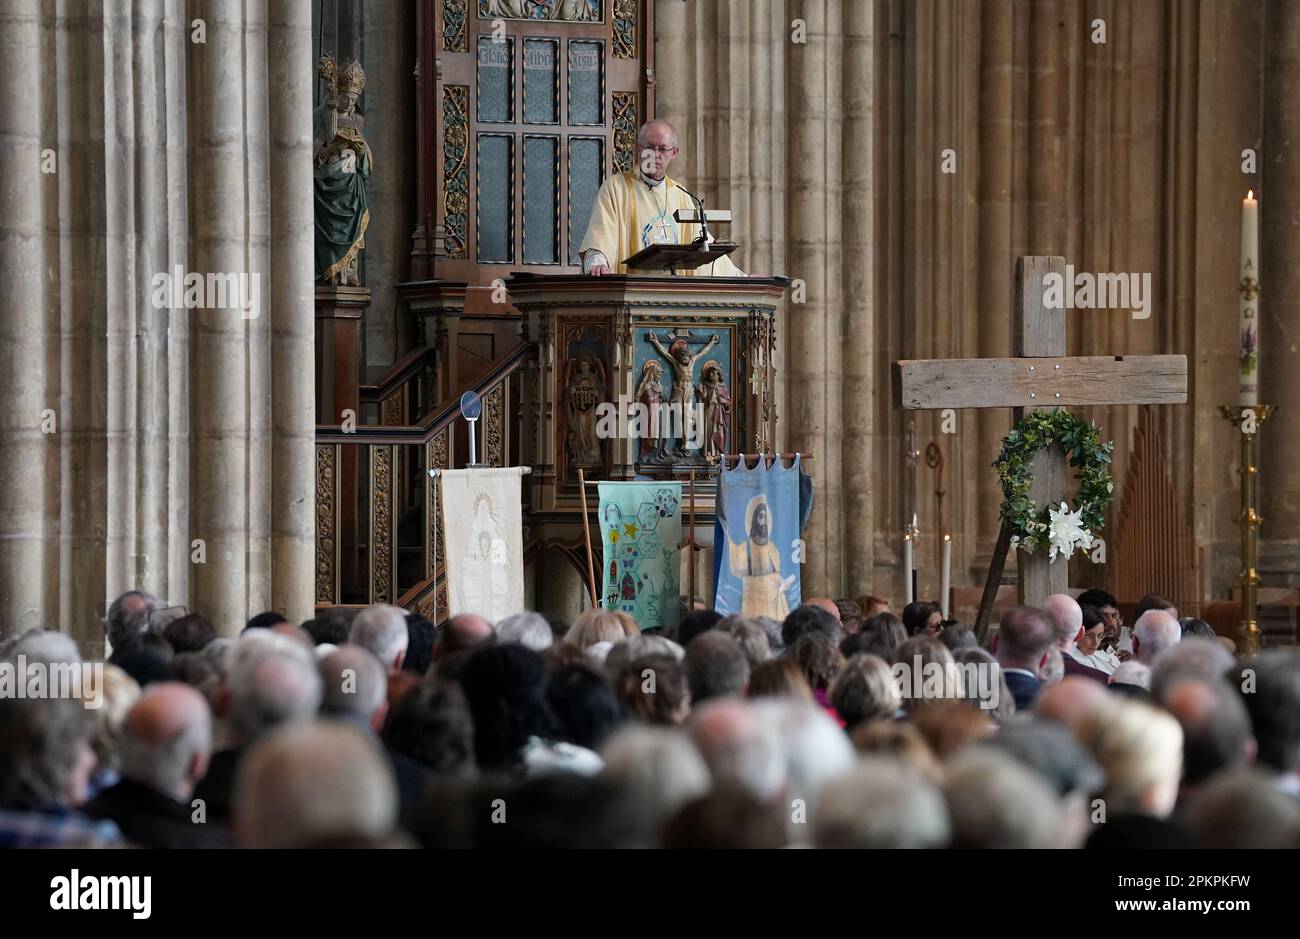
{"points": [[1247, 419]]}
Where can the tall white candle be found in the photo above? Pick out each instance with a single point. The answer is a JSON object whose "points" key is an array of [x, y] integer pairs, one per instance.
{"points": [[907, 567], [1249, 302], [945, 575]]}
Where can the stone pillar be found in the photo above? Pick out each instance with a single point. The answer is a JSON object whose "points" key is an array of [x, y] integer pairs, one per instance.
{"points": [[1279, 306], [293, 423], [781, 133], [167, 423], [28, 462], [860, 379]]}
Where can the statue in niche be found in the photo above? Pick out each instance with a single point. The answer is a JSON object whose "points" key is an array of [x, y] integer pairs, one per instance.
{"points": [[342, 164], [584, 390], [716, 401], [682, 399], [650, 395]]}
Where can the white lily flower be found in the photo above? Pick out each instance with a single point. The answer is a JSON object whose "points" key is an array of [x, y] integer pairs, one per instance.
{"points": [[1067, 532]]}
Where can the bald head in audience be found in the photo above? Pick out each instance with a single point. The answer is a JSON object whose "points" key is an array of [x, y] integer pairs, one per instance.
{"points": [[1153, 633], [829, 605], [1067, 620], [167, 739], [1069, 699], [314, 784], [463, 633]]}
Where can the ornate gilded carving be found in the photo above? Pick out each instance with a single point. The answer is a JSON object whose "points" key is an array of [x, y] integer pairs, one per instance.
{"points": [[494, 426], [567, 11], [454, 33], [455, 169], [440, 607], [437, 454], [390, 410], [326, 523], [625, 128], [625, 29], [381, 524]]}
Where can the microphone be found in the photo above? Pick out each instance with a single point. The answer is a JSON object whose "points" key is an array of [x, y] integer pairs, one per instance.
{"points": [[699, 206]]}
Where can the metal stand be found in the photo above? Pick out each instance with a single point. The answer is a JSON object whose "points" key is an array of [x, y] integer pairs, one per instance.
{"points": [[1248, 418]]}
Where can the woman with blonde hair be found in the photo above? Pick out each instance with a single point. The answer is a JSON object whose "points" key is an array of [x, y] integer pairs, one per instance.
{"points": [[118, 692], [1141, 749], [597, 625]]}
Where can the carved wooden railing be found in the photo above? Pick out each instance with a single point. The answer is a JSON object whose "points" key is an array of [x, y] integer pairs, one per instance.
{"points": [[407, 389], [367, 525]]}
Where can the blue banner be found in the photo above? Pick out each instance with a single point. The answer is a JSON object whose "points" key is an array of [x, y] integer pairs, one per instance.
{"points": [[757, 551]]}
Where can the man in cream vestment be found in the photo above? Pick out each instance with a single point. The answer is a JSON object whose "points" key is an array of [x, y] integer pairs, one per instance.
{"points": [[635, 210]]}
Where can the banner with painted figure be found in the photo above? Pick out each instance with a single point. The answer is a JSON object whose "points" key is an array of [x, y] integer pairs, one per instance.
{"points": [[757, 551], [483, 539], [641, 529]]}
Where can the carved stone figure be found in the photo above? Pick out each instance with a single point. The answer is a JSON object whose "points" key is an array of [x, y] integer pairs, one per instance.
{"points": [[650, 394], [585, 389], [342, 164], [716, 400], [683, 393]]}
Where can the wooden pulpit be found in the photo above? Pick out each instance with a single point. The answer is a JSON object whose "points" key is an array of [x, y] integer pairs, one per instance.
{"points": [[694, 353]]}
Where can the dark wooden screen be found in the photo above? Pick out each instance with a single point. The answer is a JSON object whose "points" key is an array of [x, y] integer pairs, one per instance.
{"points": [[533, 104]]}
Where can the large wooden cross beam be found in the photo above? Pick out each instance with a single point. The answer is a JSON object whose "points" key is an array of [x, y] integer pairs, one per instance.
{"points": [[1040, 375]]}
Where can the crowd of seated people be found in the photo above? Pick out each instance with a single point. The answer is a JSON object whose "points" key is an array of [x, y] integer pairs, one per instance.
{"points": [[845, 725]]}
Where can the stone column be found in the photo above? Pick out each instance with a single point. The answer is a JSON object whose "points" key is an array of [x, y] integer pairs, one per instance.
{"points": [[862, 382], [27, 461], [166, 424], [1279, 307], [293, 422], [781, 133]]}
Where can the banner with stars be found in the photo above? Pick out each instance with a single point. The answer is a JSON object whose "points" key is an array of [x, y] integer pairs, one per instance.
{"points": [[641, 528]]}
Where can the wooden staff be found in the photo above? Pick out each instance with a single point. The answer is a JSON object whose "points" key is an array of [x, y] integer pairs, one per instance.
{"points": [[996, 565], [690, 552], [586, 537]]}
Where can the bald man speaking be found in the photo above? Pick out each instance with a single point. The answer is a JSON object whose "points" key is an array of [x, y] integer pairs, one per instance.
{"points": [[635, 210]]}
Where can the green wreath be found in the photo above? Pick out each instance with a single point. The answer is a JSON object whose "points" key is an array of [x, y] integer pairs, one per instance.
{"points": [[1033, 528]]}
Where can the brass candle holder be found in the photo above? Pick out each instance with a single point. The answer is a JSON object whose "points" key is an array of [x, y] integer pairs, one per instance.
{"points": [[1248, 418]]}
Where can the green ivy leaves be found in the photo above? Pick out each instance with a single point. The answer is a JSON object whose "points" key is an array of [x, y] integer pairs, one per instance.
{"points": [[1086, 453]]}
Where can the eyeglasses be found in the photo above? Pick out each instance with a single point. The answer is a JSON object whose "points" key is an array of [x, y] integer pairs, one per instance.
{"points": [[168, 614], [646, 148]]}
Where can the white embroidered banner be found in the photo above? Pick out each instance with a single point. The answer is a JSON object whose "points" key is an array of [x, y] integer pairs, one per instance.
{"points": [[483, 528]]}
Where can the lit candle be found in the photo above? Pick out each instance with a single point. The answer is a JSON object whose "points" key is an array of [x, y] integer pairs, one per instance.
{"points": [[945, 575], [1248, 388], [907, 566]]}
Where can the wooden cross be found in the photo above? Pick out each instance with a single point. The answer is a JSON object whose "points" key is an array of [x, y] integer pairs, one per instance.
{"points": [[1040, 376]]}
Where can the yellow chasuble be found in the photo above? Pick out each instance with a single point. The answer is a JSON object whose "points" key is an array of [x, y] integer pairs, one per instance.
{"points": [[630, 215]]}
